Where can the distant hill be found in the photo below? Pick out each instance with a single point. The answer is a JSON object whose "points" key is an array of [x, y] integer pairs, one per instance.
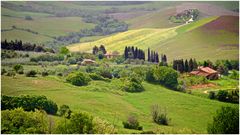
{"points": [[191, 40], [51, 20]]}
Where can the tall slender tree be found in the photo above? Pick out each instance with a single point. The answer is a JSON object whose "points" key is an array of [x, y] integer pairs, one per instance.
{"points": [[186, 66], [190, 65], [149, 55]]}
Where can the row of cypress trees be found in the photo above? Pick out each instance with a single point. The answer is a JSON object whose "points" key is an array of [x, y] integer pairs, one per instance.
{"points": [[186, 66], [134, 53]]}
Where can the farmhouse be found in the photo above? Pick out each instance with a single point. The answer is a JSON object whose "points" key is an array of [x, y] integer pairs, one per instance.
{"points": [[206, 72], [87, 62], [110, 55]]}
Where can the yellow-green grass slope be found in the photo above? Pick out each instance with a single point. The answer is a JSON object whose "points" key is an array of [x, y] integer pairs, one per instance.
{"points": [[185, 41], [188, 113]]}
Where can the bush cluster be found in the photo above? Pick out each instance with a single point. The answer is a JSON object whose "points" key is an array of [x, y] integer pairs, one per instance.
{"points": [[65, 111], [226, 121], [133, 83], [18, 121], [78, 78], [159, 116], [29, 103], [225, 95], [31, 73], [132, 123], [163, 75]]}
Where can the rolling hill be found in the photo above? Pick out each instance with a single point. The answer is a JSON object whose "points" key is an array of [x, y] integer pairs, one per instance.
{"points": [[188, 113], [189, 40]]}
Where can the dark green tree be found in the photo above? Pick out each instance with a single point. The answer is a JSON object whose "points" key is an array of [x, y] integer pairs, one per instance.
{"points": [[95, 50], [186, 66], [226, 121], [102, 48], [190, 65]]}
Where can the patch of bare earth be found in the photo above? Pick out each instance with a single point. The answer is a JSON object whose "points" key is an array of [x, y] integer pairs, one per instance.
{"points": [[200, 86], [226, 23]]}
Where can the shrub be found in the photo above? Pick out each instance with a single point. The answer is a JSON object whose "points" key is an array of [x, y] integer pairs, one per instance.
{"points": [[159, 116], [222, 95], [29, 103], [65, 111], [31, 73], [3, 71], [166, 76], [72, 60], [102, 127], [212, 95], [235, 75], [18, 121], [105, 72], [78, 78], [44, 73], [20, 71], [90, 69], [95, 76], [79, 123], [149, 75], [132, 83], [226, 121], [17, 67], [59, 74], [132, 123]]}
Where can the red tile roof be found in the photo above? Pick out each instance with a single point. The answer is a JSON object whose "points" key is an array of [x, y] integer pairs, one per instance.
{"points": [[207, 70], [203, 71]]}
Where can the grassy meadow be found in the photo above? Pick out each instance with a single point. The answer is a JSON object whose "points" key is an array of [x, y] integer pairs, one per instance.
{"points": [[189, 114]]}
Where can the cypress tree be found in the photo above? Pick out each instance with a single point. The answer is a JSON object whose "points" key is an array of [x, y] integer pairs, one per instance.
{"points": [[165, 58], [126, 52], [190, 65], [157, 58], [195, 65], [151, 57], [186, 66], [149, 54]]}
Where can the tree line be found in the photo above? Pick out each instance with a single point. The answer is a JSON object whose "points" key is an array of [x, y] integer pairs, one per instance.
{"points": [[20, 46], [185, 66], [29, 103], [134, 53]]}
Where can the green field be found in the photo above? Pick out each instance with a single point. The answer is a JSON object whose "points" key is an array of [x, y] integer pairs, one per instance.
{"points": [[45, 26], [188, 113], [159, 19]]}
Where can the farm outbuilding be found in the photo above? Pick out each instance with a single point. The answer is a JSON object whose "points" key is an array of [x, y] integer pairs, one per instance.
{"points": [[207, 72]]}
